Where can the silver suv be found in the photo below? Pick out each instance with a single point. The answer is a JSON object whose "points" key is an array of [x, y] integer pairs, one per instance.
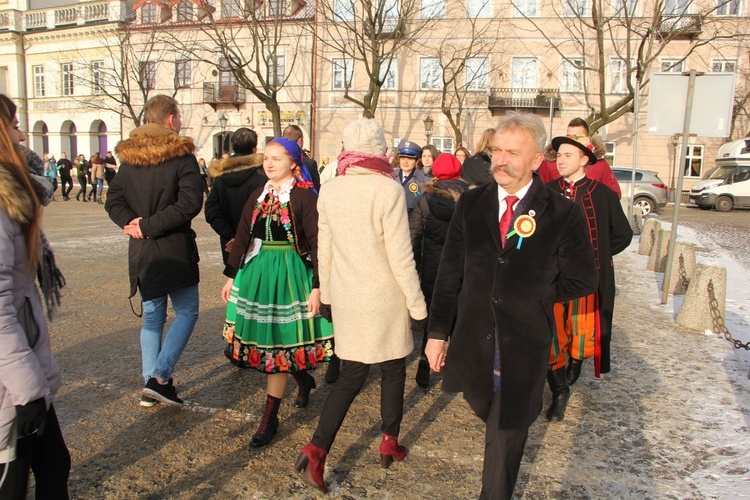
{"points": [[650, 191]]}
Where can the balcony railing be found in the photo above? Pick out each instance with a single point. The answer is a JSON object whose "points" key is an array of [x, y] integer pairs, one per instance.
{"points": [[215, 93], [62, 17], [524, 98], [684, 25], [4, 20]]}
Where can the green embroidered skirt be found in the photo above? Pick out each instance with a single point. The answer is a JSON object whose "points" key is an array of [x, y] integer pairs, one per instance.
{"points": [[268, 326]]}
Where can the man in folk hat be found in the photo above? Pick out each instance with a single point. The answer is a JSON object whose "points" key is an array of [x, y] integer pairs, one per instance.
{"points": [[408, 174], [584, 325]]}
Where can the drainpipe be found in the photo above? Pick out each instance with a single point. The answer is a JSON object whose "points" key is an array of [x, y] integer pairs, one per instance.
{"points": [[314, 85]]}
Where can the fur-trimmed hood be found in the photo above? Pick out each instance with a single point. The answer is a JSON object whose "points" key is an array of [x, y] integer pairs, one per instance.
{"points": [[599, 150], [450, 189], [152, 144], [16, 201], [222, 166]]}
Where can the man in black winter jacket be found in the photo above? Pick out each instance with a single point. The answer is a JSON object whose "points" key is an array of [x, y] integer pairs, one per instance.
{"points": [[234, 179], [154, 197]]}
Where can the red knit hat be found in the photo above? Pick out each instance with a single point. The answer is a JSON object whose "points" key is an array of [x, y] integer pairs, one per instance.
{"points": [[446, 166]]}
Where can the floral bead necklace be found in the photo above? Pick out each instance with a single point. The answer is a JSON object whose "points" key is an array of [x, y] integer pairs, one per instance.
{"points": [[271, 208]]}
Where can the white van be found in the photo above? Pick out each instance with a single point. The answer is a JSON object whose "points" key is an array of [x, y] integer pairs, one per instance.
{"points": [[729, 185]]}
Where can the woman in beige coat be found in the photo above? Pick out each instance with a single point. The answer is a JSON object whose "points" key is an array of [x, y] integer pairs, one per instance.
{"points": [[368, 276]]}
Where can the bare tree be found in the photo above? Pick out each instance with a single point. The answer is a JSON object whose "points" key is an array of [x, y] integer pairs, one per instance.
{"points": [[123, 76], [465, 64], [614, 46], [256, 44], [368, 34]]}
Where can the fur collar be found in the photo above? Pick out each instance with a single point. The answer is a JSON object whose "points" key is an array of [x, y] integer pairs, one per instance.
{"points": [[153, 144], [450, 189], [235, 164], [599, 150], [16, 201]]}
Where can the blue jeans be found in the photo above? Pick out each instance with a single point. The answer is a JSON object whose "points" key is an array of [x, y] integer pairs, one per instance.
{"points": [[159, 357], [99, 187]]}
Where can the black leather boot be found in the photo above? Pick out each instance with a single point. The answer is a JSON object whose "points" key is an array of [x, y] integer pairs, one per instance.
{"points": [[558, 384], [423, 373], [332, 373], [305, 384], [269, 424], [574, 370]]}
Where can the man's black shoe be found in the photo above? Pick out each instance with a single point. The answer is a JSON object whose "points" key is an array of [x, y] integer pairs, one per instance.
{"points": [[164, 393]]}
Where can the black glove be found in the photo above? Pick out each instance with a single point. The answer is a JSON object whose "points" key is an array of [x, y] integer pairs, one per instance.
{"points": [[418, 325], [325, 311], [31, 418]]}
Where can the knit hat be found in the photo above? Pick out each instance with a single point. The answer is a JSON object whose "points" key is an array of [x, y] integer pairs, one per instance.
{"points": [[446, 166], [365, 135]]}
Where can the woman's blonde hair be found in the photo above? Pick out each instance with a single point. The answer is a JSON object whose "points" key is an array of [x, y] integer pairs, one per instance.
{"points": [[15, 163], [485, 142]]}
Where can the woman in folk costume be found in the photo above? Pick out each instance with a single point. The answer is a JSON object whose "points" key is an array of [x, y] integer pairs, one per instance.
{"points": [[584, 325], [272, 293], [368, 280]]}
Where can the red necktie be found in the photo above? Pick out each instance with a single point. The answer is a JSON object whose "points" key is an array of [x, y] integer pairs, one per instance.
{"points": [[510, 200]]}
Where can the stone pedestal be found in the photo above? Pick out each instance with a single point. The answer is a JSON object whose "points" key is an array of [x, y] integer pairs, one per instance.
{"points": [[650, 230], [683, 263], [657, 259], [695, 313]]}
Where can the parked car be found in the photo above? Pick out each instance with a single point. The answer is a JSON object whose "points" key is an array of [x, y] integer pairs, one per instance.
{"points": [[650, 191], [728, 186]]}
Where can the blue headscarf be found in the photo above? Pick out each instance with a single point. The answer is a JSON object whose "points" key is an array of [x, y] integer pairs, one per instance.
{"points": [[296, 153]]}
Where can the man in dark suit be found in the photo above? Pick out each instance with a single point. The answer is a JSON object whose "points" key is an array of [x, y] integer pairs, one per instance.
{"points": [[513, 249]]}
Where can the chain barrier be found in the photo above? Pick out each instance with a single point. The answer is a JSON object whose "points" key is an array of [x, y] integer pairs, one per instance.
{"points": [[718, 321], [683, 273]]}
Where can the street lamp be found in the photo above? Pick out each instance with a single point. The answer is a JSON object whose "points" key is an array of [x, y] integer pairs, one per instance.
{"points": [[223, 122], [675, 165], [428, 122]]}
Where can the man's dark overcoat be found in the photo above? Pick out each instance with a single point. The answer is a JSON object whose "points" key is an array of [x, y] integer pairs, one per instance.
{"points": [[480, 285]]}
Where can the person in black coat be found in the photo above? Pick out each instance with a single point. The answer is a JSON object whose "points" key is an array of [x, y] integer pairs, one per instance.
{"points": [[64, 168], [235, 178], [495, 292], [428, 225], [154, 197], [476, 169], [584, 325]]}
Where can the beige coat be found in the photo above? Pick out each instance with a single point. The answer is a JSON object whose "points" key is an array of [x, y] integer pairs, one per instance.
{"points": [[366, 266]]}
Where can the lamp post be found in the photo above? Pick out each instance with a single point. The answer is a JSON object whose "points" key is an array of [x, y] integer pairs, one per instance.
{"points": [[675, 166], [428, 122], [223, 121]]}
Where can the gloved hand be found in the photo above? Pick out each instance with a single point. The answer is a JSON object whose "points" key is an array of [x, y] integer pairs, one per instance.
{"points": [[418, 325], [31, 418], [325, 311]]}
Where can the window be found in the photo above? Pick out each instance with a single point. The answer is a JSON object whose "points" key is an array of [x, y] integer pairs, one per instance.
{"points": [[388, 76], [727, 7], [571, 75], [97, 77], [343, 10], [38, 81], [624, 7], [480, 9], [476, 74], [431, 75], [230, 8], [694, 161], [343, 73], [442, 144], [609, 156], [724, 66], [277, 70], [67, 79], [148, 13], [671, 66], [619, 74], [182, 74], [433, 9], [576, 8], [524, 73], [390, 8], [277, 7], [185, 11], [676, 7], [147, 72], [526, 8]]}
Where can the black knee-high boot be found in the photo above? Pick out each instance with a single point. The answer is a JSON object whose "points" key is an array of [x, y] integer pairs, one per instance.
{"points": [[558, 384], [269, 424], [305, 384]]}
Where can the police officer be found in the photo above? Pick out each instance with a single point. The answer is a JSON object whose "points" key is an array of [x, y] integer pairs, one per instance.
{"points": [[411, 178]]}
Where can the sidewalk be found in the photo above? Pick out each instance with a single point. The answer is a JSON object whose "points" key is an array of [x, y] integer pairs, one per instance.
{"points": [[670, 421]]}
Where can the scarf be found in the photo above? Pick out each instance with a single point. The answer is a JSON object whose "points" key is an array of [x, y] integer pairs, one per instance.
{"points": [[375, 163], [305, 179]]}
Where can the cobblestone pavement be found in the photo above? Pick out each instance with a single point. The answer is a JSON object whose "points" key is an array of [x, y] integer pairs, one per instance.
{"points": [[670, 421]]}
